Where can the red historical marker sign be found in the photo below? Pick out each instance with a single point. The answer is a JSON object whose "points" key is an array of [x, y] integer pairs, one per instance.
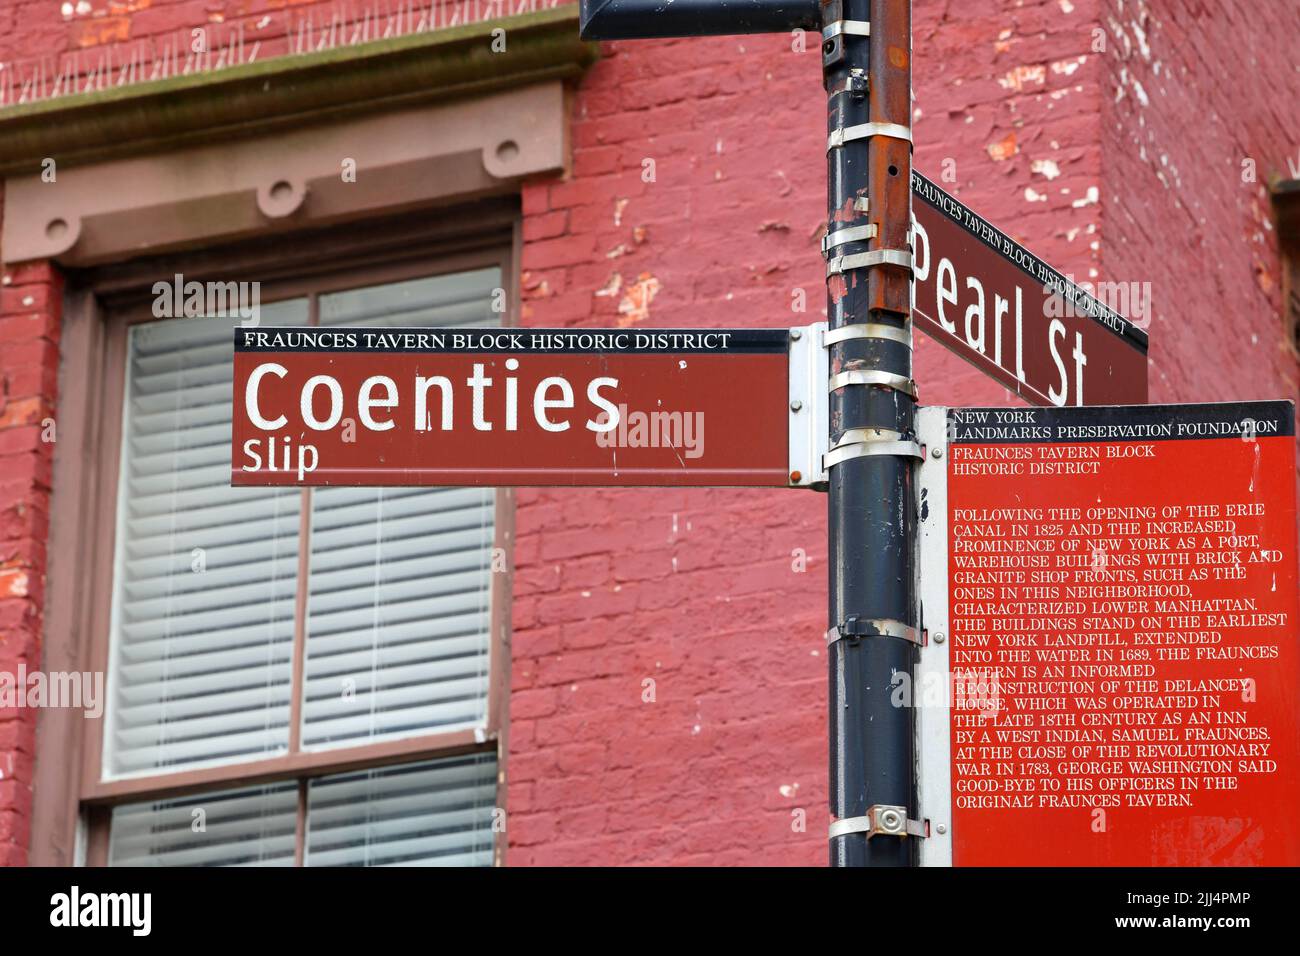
{"points": [[1120, 601], [1010, 314], [474, 406]]}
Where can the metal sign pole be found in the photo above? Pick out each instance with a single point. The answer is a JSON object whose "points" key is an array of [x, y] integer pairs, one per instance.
{"points": [[874, 633], [643, 19]]}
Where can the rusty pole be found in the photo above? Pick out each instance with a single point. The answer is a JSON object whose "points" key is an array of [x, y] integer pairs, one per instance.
{"points": [[866, 61]]}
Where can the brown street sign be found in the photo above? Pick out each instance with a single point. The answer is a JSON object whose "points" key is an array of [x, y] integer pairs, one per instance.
{"points": [[474, 406], [1009, 313]]}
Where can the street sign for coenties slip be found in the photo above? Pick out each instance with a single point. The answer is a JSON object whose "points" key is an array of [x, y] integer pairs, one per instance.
{"points": [[1009, 313], [1111, 600], [475, 406]]}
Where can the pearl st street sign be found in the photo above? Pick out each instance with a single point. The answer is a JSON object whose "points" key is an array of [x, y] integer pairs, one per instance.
{"points": [[1008, 313], [495, 406]]}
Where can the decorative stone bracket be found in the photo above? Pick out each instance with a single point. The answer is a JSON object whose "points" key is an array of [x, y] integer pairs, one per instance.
{"points": [[316, 176], [292, 142]]}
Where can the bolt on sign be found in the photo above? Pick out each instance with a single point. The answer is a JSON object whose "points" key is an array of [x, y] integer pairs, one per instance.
{"points": [[1110, 601], [374, 407], [1010, 314]]}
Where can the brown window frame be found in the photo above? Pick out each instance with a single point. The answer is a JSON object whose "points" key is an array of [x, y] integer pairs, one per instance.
{"points": [[1286, 202], [101, 305]]}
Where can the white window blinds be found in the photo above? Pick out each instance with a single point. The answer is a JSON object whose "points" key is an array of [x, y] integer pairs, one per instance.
{"points": [[205, 574], [252, 827], [438, 813], [433, 813], [399, 605]]}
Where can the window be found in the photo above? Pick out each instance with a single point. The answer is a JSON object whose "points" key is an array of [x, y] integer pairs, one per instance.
{"points": [[294, 676], [1291, 294], [410, 814], [1286, 204]]}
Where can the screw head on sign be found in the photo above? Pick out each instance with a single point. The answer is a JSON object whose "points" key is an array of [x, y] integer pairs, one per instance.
{"points": [[936, 452], [796, 334], [941, 828], [938, 637], [796, 405]]}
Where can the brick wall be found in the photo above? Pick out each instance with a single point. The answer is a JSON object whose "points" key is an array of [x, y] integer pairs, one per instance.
{"points": [[701, 592], [32, 29], [29, 357], [1200, 97]]}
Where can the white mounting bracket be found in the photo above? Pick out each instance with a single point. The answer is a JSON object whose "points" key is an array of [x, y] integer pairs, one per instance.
{"points": [[809, 407], [933, 729]]}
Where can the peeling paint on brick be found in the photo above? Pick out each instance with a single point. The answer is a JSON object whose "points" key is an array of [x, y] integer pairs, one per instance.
{"points": [[1003, 149], [13, 583], [635, 305]]}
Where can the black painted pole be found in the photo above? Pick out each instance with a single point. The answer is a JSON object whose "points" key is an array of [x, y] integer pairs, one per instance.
{"points": [[644, 19], [866, 63], [873, 597]]}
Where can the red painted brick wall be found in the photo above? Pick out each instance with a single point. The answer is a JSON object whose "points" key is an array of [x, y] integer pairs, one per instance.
{"points": [[29, 357], [1017, 113], [31, 29], [1201, 97]]}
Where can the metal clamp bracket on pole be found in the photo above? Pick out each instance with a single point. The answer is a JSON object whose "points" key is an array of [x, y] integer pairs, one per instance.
{"points": [[863, 260], [899, 383], [857, 28], [869, 330], [854, 447], [853, 436], [848, 134], [849, 234], [880, 820], [856, 627], [841, 453]]}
